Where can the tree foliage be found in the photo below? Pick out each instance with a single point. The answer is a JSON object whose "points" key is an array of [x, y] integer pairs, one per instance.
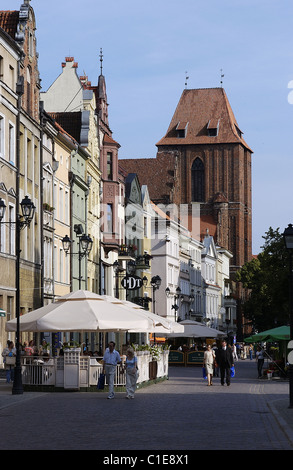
{"points": [[267, 279]]}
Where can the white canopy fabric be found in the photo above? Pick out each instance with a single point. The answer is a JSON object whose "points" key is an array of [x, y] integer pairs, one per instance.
{"points": [[194, 329], [84, 311], [161, 324]]}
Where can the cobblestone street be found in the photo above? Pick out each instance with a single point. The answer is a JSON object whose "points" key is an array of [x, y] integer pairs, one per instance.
{"points": [[181, 413]]}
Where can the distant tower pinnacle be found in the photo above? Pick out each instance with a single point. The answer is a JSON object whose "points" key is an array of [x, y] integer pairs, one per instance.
{"points": [[101, 60], [222, 76]]}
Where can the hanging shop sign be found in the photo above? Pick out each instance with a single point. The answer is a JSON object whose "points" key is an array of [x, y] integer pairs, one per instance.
{"points": [[131, 282]]}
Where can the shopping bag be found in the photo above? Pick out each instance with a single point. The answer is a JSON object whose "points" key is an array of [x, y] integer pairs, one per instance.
{"points": [[101, 382], [10, 360], [232, 372], [204, 373]]}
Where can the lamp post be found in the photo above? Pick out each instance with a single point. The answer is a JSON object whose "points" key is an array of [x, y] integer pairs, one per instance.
{"points": [[85, 244], [176, 297], [117, 268], [288, 239], [155, 283], [191, 300], [22, 220]]}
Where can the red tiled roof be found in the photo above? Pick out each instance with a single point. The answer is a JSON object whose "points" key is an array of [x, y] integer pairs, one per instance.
{"points": [[109, 140], [9, 21], [156, 173], [199, 107]]}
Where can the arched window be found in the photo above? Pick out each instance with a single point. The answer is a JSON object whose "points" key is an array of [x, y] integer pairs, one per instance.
{"points": [[197, 181]]}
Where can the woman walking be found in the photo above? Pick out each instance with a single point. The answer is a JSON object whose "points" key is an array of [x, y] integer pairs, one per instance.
{"points": [[9, 354], [131, 373], [208, 360]]}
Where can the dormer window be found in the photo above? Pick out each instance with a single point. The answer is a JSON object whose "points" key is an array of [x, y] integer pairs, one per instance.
{"points": [[181, 129], [213, 127], [239, 132]]}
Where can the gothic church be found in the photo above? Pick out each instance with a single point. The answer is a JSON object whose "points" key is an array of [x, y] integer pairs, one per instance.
{"points": [[204, 161]]}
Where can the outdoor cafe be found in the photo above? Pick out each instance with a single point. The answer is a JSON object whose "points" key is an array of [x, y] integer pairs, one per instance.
{"points": [[84, 311]]}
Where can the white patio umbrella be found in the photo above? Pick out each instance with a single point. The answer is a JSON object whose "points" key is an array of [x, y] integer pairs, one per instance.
{"points": [[83, 311], [194, 329], [161, 324]]}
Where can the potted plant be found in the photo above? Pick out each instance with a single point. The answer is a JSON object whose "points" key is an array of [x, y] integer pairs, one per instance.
{"points": [[71, 346]]}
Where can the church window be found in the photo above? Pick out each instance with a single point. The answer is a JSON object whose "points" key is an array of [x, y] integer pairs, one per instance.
{"points": [[197, 180]]}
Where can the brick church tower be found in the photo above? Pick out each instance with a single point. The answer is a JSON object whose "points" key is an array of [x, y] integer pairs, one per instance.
{"points": [[203, 161]]}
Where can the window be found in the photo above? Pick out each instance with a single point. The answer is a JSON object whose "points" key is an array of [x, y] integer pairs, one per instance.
{"points": [[30, 159], [31, 44], [11, 230], [109, 218], [10, 307], [197, 181], [1, 67], [66, 206], [109, 165], [213, 127], [12, 77], [11, 143], [28, 97], [145, 227], [61, 265], [2, 129], [181, 129], [61, 203], [2, 238]]}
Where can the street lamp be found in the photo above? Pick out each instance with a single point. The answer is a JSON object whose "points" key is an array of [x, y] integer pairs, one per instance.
{"points": [[155, 283], [176, 297], [22, 220], [117, 269], [85, 244], [28, 211], [288, 239]]}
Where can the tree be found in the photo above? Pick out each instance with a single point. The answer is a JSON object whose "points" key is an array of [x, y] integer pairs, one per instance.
{"points": [[266, 278]]}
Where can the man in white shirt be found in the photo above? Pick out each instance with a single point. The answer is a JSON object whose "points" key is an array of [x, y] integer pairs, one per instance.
{"points": [[110, 360]]}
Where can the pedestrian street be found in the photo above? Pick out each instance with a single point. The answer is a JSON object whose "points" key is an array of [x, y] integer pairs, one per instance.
{"points": [[178, 414]]}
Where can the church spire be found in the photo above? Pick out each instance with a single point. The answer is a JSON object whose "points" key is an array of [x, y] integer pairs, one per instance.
{"points": [[102, 94]]}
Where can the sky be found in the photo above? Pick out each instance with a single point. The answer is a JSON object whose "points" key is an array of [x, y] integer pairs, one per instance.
{"points": [[150, 47]]}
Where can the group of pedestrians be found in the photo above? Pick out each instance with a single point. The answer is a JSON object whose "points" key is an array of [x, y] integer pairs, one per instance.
{"points": [[222, 359], [110, 360]]}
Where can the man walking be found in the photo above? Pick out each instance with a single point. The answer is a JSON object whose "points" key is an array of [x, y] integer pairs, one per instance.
{"points": [[225, 358], [110, 360]]}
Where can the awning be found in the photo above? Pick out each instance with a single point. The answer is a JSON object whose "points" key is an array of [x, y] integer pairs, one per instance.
{"points": [[281, 333]]}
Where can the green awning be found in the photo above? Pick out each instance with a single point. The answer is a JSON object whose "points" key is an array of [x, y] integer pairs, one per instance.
{"points": [[2, 313], [281, 333]]}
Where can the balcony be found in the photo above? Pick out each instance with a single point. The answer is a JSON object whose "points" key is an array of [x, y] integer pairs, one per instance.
{"points": [[48, 216], [127, 251]]}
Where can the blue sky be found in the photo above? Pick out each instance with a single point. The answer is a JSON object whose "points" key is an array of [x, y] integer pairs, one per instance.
{"points": [[148, 47]]}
